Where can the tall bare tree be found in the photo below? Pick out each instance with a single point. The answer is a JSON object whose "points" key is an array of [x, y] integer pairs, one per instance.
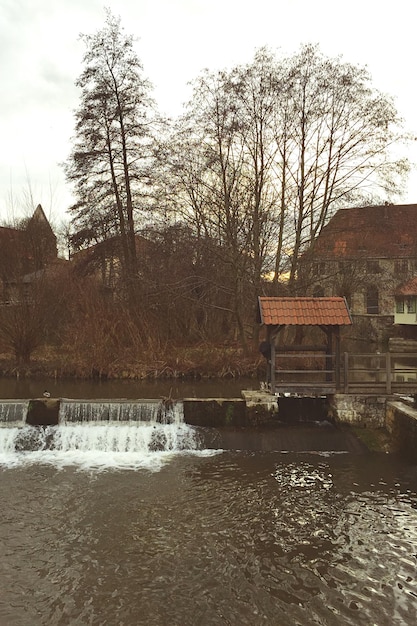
{"points": [[110, 161], [225, 182]]}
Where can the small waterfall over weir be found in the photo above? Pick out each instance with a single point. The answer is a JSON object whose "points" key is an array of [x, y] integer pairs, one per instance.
{"points": [[147, 433], [13, 412], [120, 411], [128, 430]]}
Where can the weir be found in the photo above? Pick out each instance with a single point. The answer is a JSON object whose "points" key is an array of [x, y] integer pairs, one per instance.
{"points": [[13, 412], [74, 427], [119, 411], [145, 433], [83, 426], [53, 411], [253, 409], [258, 420]]}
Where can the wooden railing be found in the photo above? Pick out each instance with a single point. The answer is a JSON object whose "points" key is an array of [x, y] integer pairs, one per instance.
{"points": [[384, 373]]}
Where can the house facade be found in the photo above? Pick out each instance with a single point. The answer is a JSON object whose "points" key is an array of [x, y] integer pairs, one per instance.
{"points": [[366, 255]]}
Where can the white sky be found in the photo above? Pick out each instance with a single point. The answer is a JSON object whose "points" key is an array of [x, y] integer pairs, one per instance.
{"points": [[40, 58]]}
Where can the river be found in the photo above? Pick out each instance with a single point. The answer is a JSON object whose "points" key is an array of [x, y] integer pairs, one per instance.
{"points": [[74, 388], [165, 524]]}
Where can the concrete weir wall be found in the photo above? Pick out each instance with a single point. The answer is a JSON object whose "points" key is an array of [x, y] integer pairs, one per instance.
{"points": [[258, 409], [253, 409], [401, 423], [43, 412], [214, 412]]}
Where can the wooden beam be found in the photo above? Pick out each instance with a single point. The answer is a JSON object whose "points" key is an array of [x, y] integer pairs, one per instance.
{"points": [[303, 348], [272, 365], [337, 357]]}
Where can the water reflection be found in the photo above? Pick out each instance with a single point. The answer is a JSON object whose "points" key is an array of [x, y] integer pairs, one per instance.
{"points": [[34, 388], [241, 538]]}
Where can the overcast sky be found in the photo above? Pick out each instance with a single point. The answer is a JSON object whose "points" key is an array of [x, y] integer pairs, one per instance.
{"points": [[41, 55]]}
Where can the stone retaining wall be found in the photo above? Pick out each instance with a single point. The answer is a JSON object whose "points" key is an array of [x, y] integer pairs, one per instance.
{"points": [[358, 410], [401, 423]]}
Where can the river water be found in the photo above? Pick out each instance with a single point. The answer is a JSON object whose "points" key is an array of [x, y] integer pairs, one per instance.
{"points": [[73, 388], [156, 524]]}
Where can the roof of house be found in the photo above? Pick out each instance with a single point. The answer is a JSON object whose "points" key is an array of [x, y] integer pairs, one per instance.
{"points": [[304, 311], [407, 289], [10, 233], [387, 231], [7, 233], [39, 217]]}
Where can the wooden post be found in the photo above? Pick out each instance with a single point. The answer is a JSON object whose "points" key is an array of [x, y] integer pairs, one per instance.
{"points": [[337, 358], [272, 364], [346, 372], [329, 360], [389, 372]]}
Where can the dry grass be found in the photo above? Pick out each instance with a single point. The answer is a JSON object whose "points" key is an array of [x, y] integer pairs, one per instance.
{"points": [[201, 361]]}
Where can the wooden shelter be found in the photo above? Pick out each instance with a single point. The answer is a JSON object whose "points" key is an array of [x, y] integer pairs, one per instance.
{"points": [[327, 314]]}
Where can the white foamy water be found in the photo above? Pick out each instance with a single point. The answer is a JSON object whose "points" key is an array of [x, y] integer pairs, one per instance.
{"points": [[99, 434], [99, 445]]}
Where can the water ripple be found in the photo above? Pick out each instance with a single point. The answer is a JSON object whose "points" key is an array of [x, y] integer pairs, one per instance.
{"points": [[234, 539]]}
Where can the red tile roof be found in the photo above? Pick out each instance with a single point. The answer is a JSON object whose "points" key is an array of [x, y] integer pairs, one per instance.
{"points": [[386, 231], [304, 311], [407, 289]]}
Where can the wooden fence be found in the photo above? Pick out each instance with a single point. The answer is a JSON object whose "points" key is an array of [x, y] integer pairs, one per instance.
{"points": [[321, 374]]}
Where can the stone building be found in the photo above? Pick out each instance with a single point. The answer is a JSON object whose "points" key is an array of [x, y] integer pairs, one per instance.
{"points": [[366, 254], [406, 303]]}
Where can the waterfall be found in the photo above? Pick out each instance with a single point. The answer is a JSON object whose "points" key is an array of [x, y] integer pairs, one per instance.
{"points": [[139, 437], [101, 433], [119, 411], [13, 412]]}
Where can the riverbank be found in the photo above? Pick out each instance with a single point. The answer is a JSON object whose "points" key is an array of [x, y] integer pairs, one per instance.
{"points": [[201, 362]]}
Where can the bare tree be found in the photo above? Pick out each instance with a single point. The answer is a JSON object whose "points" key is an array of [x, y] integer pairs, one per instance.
{"points": [[223, 174], [335, 133], [109, 163], [272, 149]]}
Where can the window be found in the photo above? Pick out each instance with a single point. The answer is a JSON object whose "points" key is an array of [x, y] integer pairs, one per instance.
{"points": [[372, 303], [401, 266], [411, 305], [319, 268], [399, 306]]}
